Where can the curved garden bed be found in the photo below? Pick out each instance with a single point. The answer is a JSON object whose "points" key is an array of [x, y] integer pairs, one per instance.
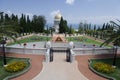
{"points": [[112, 76], [4, 75]]}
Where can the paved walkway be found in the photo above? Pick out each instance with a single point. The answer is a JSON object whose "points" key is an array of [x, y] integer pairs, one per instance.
{"points": [[36, 65], [84, 68], [59, 69], [36, 68]]}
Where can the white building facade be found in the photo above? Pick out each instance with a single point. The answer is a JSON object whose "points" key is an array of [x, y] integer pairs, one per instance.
{"points": [[57, 22]]}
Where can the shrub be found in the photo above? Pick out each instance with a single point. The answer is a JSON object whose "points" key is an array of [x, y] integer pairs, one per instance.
{"points": [[103, 67], [15, 66]]}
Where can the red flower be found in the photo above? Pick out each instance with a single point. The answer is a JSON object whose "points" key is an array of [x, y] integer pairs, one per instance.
{"points": [[34, 45], [24, 44], [94, 45], [84, 45]]}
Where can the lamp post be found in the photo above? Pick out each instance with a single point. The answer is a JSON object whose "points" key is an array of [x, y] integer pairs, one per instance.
{"points": [[115, 55], [115, 49], [3, 42], [51, 29], [47, 33], [70, 32]]}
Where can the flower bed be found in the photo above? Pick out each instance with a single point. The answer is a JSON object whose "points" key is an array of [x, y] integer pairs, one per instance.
{"points": [[103, 67], [7, 75], [15, 66]]}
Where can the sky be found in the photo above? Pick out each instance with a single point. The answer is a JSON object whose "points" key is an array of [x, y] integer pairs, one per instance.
{"points": [[74, 11]]}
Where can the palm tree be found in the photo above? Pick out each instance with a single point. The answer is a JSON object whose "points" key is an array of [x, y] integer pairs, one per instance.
{"points": [[114, 38]]}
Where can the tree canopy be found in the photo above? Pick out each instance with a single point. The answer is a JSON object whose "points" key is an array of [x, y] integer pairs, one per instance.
{"points": [[23, 24]]}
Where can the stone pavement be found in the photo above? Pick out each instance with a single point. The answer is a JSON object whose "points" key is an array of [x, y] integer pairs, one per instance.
{"points": [[59, 69]]}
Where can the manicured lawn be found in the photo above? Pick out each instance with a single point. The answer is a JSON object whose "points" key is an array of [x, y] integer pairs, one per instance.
{"points": [[83, 39], [31, 39], [4, 74], [116, 74], [44, 38]]}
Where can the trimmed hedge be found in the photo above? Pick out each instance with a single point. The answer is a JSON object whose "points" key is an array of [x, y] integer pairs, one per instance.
{"points": [[103, 67], [15, 66]]}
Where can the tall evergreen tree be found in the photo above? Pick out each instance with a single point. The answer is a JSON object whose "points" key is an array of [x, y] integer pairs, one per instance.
{"points": [[39, 23], [63, 28], [103, 27], [81, 28], [1, 17], [28, 25], [22, 24], [7, 20]]}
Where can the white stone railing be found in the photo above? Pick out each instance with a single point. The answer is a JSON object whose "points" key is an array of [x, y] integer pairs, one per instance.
{"points": [[59, 44], [25, 50], [77, 51], [82, 51]]}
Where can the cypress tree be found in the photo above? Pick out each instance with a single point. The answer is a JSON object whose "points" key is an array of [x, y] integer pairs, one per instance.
{"points": [[1, 17], [63, 28]]}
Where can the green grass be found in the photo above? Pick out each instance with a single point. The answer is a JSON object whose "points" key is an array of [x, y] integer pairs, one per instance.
{"points": [[4, 74], [116, 74], [31, 39], [91, 41], [44, 38], [83, 39]]}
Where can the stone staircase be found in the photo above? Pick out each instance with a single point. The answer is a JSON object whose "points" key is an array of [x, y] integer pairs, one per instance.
{"points": [[58, 38]]}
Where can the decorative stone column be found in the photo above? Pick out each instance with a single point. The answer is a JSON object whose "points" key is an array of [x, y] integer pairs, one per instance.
{"points": [[71, 45], [48, 45], [47, 55], [72, 54]]}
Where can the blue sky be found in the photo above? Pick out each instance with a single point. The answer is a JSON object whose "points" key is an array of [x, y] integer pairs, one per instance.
{"points": [[74, 11]]}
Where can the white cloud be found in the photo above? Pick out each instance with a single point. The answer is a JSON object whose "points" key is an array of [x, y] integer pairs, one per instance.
{"points": [[53, 13], [70, 2], [9, 12]]}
